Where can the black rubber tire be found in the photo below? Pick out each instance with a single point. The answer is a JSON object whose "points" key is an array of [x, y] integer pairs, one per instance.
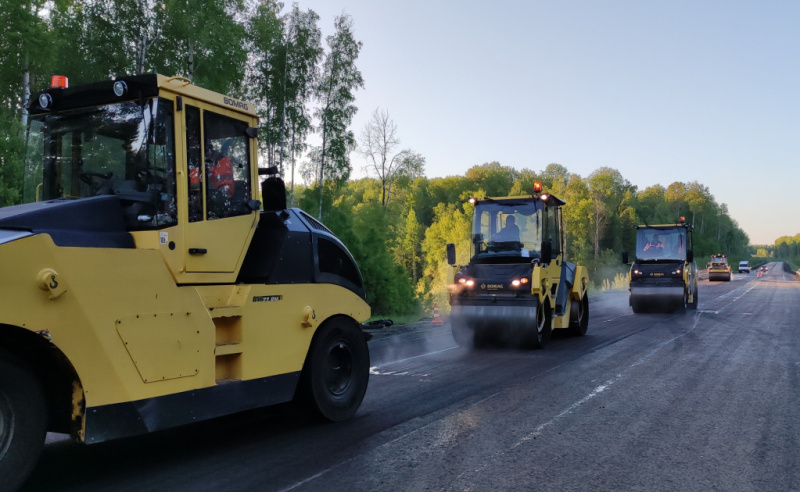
{"points": [[335, 376], [681, 306], [579, 316], [543, 326], [23, 421]]}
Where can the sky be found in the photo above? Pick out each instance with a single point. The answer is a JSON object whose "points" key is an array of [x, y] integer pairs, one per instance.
{"points": [[662, 91]]}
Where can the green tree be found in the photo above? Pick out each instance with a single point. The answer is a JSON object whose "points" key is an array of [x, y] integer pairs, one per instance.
{"points": [[202, 40], [676, 198], [12, 154], [492, 178], [523, 185], [625, 239], [607, 187], [426, 194], [90, 47], [451, 224], [652, 206], [340, 77], [552, 174], [411, 166], [698, 198], [577, 216], [265, 77], [410, 247], [303, 54], [25, 53], [198, 39], [285, 54], [363, 228]]}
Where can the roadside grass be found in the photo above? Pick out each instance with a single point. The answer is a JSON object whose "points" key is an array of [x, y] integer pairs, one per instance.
{"points": [[618, 282]]}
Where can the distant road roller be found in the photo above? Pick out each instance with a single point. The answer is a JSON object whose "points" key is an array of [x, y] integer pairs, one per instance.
{"points": [[663, 276], [517, 287], [719, 268]]}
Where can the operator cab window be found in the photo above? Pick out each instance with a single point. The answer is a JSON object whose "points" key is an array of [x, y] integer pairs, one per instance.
{"points": [[227, 166], [124, 149], [194, 158], [554, 229], [219, 168], [506, 231]]}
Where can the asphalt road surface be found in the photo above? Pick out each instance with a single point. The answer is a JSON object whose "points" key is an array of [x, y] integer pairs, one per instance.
{"points": [[698, 401]]}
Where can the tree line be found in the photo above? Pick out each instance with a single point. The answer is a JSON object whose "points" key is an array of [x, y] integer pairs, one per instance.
{"points": [[785, 248], [257, 50], [395, 222], [400, 244]]}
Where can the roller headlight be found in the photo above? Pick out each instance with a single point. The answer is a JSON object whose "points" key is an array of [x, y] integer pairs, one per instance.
{"points": [[466, 281]]}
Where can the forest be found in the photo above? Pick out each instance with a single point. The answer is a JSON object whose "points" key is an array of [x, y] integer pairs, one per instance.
{"points": [[396, 222]]}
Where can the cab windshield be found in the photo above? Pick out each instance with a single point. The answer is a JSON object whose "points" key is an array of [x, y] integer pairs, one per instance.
{"points": [[667, 243], [506, 231], [125, 149]]}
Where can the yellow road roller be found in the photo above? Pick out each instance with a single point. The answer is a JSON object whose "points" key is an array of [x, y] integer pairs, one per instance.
{"points": [[719, 268], [152, 280], [517, 287]]}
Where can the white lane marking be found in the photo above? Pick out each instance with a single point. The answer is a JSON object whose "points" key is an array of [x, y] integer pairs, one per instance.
{"points": [[373, 371], [568, 410], [538, 430], [384, 445], [615, 318], [376, 368], [596, 391], [603, 387], [723, 297], [314, 477]]}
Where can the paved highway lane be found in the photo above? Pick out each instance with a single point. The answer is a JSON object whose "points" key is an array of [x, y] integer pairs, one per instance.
{"points": [[705, 400]]}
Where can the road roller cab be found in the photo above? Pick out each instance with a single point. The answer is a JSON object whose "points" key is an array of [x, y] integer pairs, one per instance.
{"points": [[663, 276], [517, 286]]}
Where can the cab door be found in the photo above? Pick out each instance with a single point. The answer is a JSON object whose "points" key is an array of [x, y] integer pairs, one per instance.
{"points": [[555, 270], [219, 174]]}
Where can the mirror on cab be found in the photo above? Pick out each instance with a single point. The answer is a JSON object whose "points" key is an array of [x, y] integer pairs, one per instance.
{"points": [[451, 254], [625, 257], [547, 251]]}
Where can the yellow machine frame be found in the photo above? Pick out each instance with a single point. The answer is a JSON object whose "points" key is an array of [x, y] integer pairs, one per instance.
{"points": [[120, 326]]}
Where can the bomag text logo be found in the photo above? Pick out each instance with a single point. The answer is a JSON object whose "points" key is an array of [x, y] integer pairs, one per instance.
{"points": [[491, 286], [236, 104]]}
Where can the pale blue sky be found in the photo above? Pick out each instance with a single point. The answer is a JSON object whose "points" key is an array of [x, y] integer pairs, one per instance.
{"points": [[663, 91]]}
